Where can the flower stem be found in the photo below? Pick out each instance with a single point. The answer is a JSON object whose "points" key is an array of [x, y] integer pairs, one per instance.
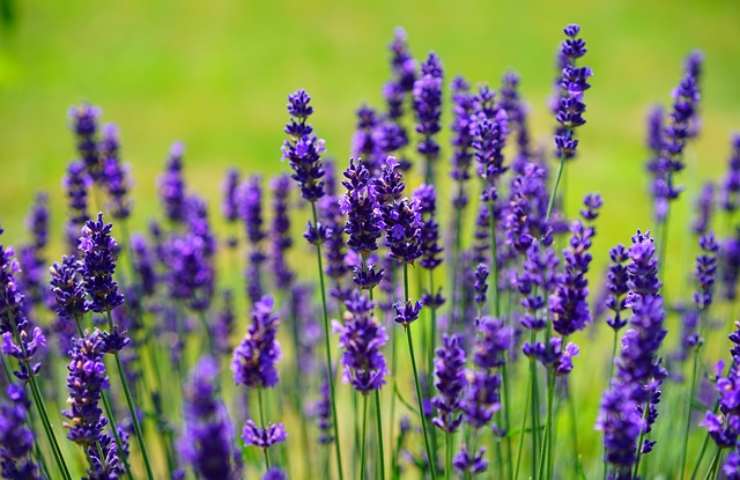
{"points": [[689, 399], [553, 194], [713, 466], [132, 408], [420, 399], [327, 347], [448, 455], [641, 440], [379, 425], [261, 409], [364, 436], [521, 434]]}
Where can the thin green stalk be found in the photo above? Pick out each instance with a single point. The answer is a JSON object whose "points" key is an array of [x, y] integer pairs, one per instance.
{"points": [[547, 444], [420, 399], [689, 399], [114, 429], [355, 433], [298, 390], [711, 473], [364, 437], [448, 455], [574, 432], [261, 409], [327, 347], [394, 368], [131, 408], [520, 449], [551, 201], [702, 452], [641, 440], [379, 426], [534, 408]]}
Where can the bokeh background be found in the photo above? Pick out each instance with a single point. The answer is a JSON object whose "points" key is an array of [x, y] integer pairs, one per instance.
{"points": [[216, 75]]}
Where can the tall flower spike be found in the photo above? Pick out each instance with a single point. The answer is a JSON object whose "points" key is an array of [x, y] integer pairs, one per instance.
{"points": [[303, 149], [427, 95], [489, 133], [425, 196], [16, 437], [172, 185], [253, 362], [704, 208], [76, 184], [250, 201], [280, 231], [730, 265], [616, 281], [115, 175], [362, 340], [69, 297], [363, 141], [84, 123], [207, 442], [190, 273], [99, 252], [364, 223], [462, 138], [449, 370], [230, 202], [572, 84], [706, 271]]}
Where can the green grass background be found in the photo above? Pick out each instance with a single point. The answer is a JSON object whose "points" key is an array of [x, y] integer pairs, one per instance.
{"points": [[216, 75]]}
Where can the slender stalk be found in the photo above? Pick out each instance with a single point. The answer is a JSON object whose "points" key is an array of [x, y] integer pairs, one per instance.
{"points": [[327, 347], [553, 194], [298, 390], [713, 466], [534, 407], [131, 408], [521, 435], [420, 399], [394, 368], [261, 409], [448, 455], [641, 440], [574, 432], [114, 429], [379, 426], [364, 437], [702, 452], [690, 397]]}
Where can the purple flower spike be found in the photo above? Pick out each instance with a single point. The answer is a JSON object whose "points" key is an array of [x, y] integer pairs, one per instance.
{"points": [[427, 95], [16, 437], [706, 271], [280, 231], [172, 185], [362, 341], [406, 312], [465, 462], [253, 362], [76, 184], [449, 370], [462, 139], [207, 443], [426, 198], [84, 120], [115, 175], [617, 286], [730, 191], [572, 84], [303, 149], [99, 252], [263, 437], [481, 283], [250, 202]]}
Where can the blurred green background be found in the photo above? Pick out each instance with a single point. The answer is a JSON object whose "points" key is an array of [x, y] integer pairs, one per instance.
{"points": [[216, 75]]}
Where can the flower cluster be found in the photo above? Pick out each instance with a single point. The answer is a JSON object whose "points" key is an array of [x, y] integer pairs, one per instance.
{"points": [[16, 437], [253, 362], [303, 149]]}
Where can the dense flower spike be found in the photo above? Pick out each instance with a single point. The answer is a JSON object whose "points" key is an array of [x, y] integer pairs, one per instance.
{"points": [[84, 123], [172, 185], [76, 184], [516, 112], [263, 437], [143, 261], [207, 442], [190, 274], [401, 216], [303, 149], [362, 341], [253, 362], [490, 127], [572, 84], [223, 325], [426, 198], [467, 463], [230, 202], [364, 222], [493, 341], [16, 437], [427, 103], [99, 252], [616, 281], [730, 265], [280, 231], [462, 138], [449, 370], [323, 414], [481, 283], [730, 191], [364, 148], [706, 271], [250, 207], [115, 175], [704, 209], [70, 302]]}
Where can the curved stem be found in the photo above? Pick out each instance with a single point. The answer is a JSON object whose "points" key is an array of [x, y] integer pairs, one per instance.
{"points": [[553, 194], [327, 348], [420, 399], [689, 409]]}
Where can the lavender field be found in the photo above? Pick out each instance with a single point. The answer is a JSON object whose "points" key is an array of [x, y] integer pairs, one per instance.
{"points": [[466, 283]]}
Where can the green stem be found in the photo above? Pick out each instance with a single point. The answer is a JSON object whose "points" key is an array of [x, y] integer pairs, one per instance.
{"points": [[448, 455], [379, 426], [261, 410], [114, 429], [327, 347], [641, 440], [702, 452], [534, 408], [364, 437], [690, 397], [520, 449], [713, 466], [553, 194], [574, 433], [420, 399]]}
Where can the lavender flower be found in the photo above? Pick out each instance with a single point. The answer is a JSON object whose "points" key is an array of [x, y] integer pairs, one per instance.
{"points": [[482, 399], [406, 312], [489, 132], [230, 202], [16, 437], [616, 281], [330, 209], [362, 340], [172, 185], [363, 141], [37, 221], [303, 149], [730, 265], [280, 231], [427, 95], [426, 198], [464, 462], [730, 189], [223, 325], [253, 362], [274, 473], [144, 265], [516, 112], [250, 199], [263, 437], [99, 252], [190, 273], [481, 284], [572, 84], [462, 138], [706, 271], [77, 184], [207, 442], [84, 119], [449, 369], [364, 223], [115, 176], [494, 339], [401, 217], [323, 414], [70, 302]]}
